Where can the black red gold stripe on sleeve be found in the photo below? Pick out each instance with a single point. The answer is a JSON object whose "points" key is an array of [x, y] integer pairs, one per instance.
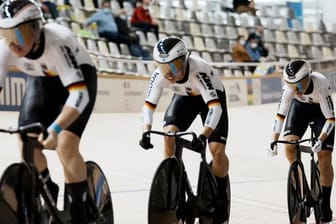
{"points": [[76, 86], [280, 117], [49, 73], [150, 105], [213, 103], [331, 120]]}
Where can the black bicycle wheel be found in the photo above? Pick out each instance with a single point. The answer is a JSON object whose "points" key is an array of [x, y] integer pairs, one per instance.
{"points": [[316, 189], [164, 194], [206, 193], [295, 193], [228, 195], [17, 203], [99, 192]]}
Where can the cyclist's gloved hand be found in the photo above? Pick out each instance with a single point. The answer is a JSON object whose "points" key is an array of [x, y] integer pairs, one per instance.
{"points": [[273, 149], [200, 143], [145, 141], [317, 146]]}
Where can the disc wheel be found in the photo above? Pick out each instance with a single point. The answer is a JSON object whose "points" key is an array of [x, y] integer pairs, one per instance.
{"points": [[295, 194], [99, 192], [164, 206], [17, 203]]}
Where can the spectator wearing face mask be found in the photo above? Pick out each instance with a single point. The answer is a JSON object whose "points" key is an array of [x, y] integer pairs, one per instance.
{"points": [[251, 47], [259, 34], [239, 53]]}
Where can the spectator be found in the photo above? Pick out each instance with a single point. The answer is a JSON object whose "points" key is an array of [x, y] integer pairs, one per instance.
{"points": [[259, 35], [251, 47], [49, 9], [107, 27], [142, 19], [239, 53], [241, 6]]}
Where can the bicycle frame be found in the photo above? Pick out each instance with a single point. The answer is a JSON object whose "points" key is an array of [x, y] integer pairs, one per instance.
{"points": [[38, 188], [183, 183], [310, 196]]}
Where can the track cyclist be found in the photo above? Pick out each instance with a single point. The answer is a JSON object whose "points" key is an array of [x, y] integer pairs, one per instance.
{"points": [[60, 91], [197, 89], [305, 98]]}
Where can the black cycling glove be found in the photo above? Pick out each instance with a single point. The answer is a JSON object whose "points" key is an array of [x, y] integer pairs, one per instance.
{"points": [[145, 141]]}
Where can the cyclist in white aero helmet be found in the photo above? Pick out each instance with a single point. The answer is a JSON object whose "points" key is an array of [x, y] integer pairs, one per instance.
{"points": [[198, 90], [305, 98], [297, 75], [172, 64], [60, 92]]}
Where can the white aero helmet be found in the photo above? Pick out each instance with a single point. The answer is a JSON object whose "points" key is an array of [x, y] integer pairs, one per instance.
{"points": [[20, 25], [296, 70], [297, 75], [171, 56], [168, 49], [16, 12]]}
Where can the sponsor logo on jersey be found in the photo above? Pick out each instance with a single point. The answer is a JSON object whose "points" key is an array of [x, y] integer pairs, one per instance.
{"points": [[151, 83], [79, 99], [205, 80], [29, 66], [71, 59], [330, 105]]}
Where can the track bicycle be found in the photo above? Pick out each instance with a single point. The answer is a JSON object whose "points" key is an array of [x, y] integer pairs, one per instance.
{"points": [[302, 196], [171, 197], [24, 199]]}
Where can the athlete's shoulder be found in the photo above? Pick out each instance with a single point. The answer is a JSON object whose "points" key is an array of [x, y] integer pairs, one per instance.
{"points": [[197, 60], [57, 32], [198, 64], [319, 77], [320, 81]]}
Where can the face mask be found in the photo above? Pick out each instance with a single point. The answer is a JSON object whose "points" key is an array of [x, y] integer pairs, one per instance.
{"points": [[242, 42], [106, 10], [254, 45]]}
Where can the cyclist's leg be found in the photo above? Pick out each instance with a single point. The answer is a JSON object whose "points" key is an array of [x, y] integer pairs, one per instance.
{"points": [[220, 168], [220, 163], [34, 109], [75, 172], [325, 166], [326, 179], [217, 139], [179, 115]]}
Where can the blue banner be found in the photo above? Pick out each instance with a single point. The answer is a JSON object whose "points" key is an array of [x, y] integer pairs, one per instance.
{"points": [[13, 91], [296, 9], [270, 90]]}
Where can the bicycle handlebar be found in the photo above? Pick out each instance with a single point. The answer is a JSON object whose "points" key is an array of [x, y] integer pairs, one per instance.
{"points": [[23, 130], [190, 144], [303, 148]]}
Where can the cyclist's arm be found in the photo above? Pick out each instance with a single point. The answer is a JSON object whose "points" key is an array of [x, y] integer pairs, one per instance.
{"points": [[209, 95], [283, 107], [154, 92], [77, 100], [73, 80], [327, 109], [213, 117]]}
